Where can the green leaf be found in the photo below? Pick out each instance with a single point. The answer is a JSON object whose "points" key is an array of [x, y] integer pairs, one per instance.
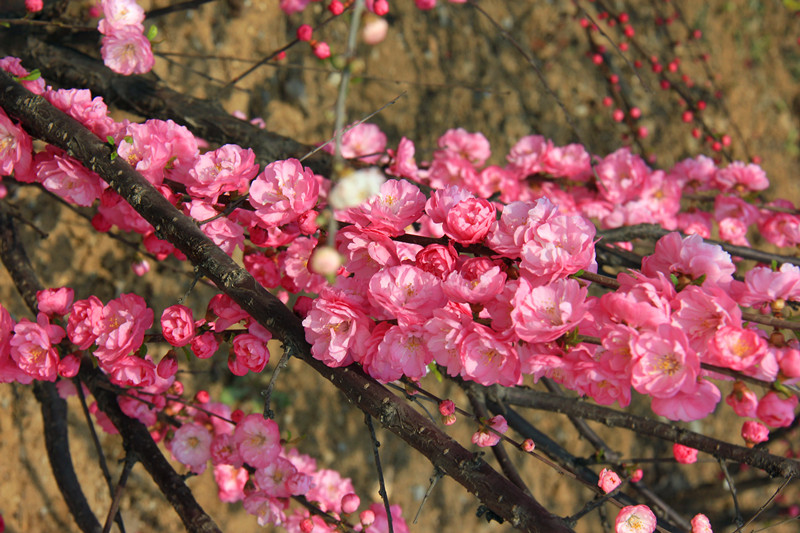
{"points": [[674, 279], [34, 75], [152, 32], [774, 265], [435, 371], [110, 140]]}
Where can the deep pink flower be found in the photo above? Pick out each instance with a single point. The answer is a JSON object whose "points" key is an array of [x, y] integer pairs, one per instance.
{"points": [[328, 488], [635, 519], [32, 347], [223, 449], [684, 454], [487, 359], [443, 201], [15, 150], [228, 311], [337, 328], [401, 352], [258, 440], [225, 233], [664, 364], [177, 325], [469, 220], [689, 404], [55, 301], [478, 280], [696, 174], [473, 147], [741, 178], [762, 285], [403, 164], [230, 481], [397, 205], [545, 313], [609, 480], [754, 432], [776, 411], [66, 177], [121, 327], [701, 524], [736, 348], [130, 371], [691, 257], [251, 352], [437, 259], [743, 401], [226, 169], [558, 247], [484, 437], [86, 314], [90, 111], [159, 149], [273, 479], [204, 345], [622, 176], [406, 293]]}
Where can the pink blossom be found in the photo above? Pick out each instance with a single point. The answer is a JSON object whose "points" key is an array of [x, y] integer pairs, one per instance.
{"points": [[444, 333], [295, 266], [736, 348], [328, 488], [69, 366], [230, 481], [509, 233], [691, 257], [365, 142], [688, 404], [273, 479], [695, 222], [250, 352], [468, 222], [407, 293], [754, 433], [545, 313], [337, 328], [257, 439], [91, 112], [664, 362], [764, 286], [81, 322], [401, 352], [264, 268], [450, 170], [127, 51], [66, 177], [204, 345], [780, 229], [609, 480], [397, 205], [734, 217], [622, 175], [485, 437], [640, 302], [494, 179], [55, 301], [32, 347], [380, 524], [403, 164], [478, 281], [437, 259], [571, 161], [701, 311], [15, 150], [743, 401], [473, 147], [684, 454], [227, 311], [529, 154], [130, 371], [696, 174], [560, 246], [635, 519], [443, 201], [283, 191], [223, 450], [225, 233], [191, 446], [293, 6], [741, 178], [140, 268], [365, 253], [701, 524], [177, 325], [226, 169], [120, 13], [775, 410], [121, 327], [487, 359], [13, 65], [268, 510], [159, 149]]}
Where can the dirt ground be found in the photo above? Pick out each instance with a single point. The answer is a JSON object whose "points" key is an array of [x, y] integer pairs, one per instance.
{"points": [[454, 68]]}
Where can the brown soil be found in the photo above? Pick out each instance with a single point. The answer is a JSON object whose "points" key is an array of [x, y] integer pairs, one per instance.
{"points": [[455, 70]]}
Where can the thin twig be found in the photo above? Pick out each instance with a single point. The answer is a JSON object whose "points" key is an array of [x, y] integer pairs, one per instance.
{"points": [[377, 455]]}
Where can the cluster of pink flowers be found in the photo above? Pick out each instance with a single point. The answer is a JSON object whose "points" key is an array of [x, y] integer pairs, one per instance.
{"points": [[125, 48]]}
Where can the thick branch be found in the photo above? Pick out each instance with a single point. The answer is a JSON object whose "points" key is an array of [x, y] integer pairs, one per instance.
{"points": [[146, 96], [53, 126]]}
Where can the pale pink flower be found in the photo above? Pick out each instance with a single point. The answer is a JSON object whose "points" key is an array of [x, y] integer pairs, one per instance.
{"points": [[191, 446], [776, 411], [406, 293], [701, 524], [449, 170], [695, 222], [743, 401], [223, 450], [15, 150], [130, 371], [622, 176], [258, 440], [295, 266], [696, 174], [640, 302], [664, 363], [545, 313], [337, 328], [177, 325], [689, 404], [684, 454], [494, 179], [741, 178], [397, 205], [609, 480], [443, 201], [140, 268], [230, 481], [273, 479], [159, 149], [558, 247], [66, 177], [478, 280], [763, 286], [508, 234], [365, 142], [13, 65], [366, 253], [484, 437], [283, 191], [226, 169], [55, 301], [355, 188], [780, 229], [401, 352], [91, 112], [754, 432], [635, 519], [444, 333], [127, 51], [571, 162], [734, 217], [487, 359], [224, 232], [121, 327], [736, 348], [701, 311], [328, 488], [380, 524], [269, 511], [227, 311], [473, 147], [120, 13], [529, 155], [691, 257]]}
